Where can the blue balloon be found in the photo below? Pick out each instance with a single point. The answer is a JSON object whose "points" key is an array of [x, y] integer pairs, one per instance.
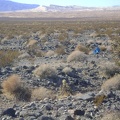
{"points": [[96, 50]]}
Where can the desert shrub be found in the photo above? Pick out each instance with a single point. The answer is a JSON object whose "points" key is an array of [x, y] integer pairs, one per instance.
{"points": [[42, 93], [94, 34], [110, 69], [112, 115], [116, 50], [31, 42], [50, 53], [67, 70], [34, 51], [7, 57], [76, 56], [44, 71], [60, 50], [103, 48], [98, 100], [111, 84], [13, 86], [82, 48], [63, 36]]}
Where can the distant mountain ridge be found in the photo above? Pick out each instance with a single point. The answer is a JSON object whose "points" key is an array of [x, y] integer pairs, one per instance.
{"points": [[7, 5]]}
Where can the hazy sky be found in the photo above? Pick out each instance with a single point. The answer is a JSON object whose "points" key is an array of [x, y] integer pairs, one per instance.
{"points": [[97, 3]]}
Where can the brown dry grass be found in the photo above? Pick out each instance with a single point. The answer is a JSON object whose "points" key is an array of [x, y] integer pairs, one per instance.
{"points": [[31, 42], [112, 83], [42, 93], [109, 69], [114, 115], [82, 48], [44, 71], [76, 56], [60, 50], [7, 57], [103, 48], [13, 88]]}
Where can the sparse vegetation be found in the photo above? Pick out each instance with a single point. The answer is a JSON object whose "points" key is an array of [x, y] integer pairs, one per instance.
{"points": [[82, 48], [13, 86], [76, 56], [42, 93], [7, 57], [111, 84], [109, 69], [44, 71], [111, 115], [98, 100]]}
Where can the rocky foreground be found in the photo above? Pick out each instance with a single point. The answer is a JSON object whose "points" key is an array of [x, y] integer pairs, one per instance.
{"points": [[84, 75]]}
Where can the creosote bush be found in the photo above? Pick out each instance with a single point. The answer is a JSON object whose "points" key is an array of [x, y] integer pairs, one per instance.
{"points": [[98, 100], [111, 84], [44, 71], [76, 56], [14, 87], [112, 115], [41, 93], [7, 57], [109, 69], [82, 48]]}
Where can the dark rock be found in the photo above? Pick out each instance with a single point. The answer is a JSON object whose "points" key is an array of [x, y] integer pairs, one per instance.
{"points": [[79, 112], [46, 118], [48, 107], [9, 112]]}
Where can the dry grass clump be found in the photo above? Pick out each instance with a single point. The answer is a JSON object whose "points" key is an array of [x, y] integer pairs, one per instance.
{"points": [[115, 115], [60, 50], [13, 87], [76, 56], [110, 69], [94, 34], [63, 36], [42, 93], [103, 48], [44, 71], [31, 42], [111, 84], [98, 100], [35, 51], [116, 50], [82, 48], [50, 53], [7, 57], [67, 70]]}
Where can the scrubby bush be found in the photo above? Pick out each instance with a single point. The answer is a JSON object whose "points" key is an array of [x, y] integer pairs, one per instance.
{"points": [[76, 56], [111, 84], [116, 50], [98, 100], [13, 86], [82, 48], [44, 71], [113, 115], [7, 57], [109, 69], [42, 93], [31, 42], [67, 70], [60, 50], [50, 53]]}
